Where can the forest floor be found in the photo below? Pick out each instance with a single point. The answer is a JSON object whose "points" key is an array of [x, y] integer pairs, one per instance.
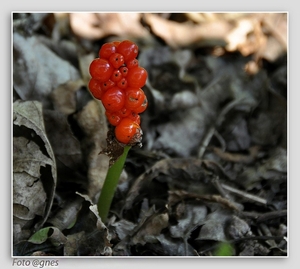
{"points": [[210, 178]]}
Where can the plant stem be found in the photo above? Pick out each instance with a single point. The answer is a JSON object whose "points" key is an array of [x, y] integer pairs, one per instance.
{"points": [[110, 185]]}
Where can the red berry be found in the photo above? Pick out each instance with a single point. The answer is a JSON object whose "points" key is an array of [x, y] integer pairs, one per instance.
{"points": [[142, 107], [113, 99], [128, 131], [107, 50], [135, 117], [124, 71], [132, 63], [134, 98], [101, 69], [113, 118], [116, 60], [122, 84], [95, 88], [116, 76], [128, 49], [137, 77], [107, 85], [124, 112]]}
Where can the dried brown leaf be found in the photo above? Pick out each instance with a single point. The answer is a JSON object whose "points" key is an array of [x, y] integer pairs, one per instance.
{"points": [[64, 96], [29, 196], [99, 25], [177, 34], [258, 35], [92, 122], [34, 167]]}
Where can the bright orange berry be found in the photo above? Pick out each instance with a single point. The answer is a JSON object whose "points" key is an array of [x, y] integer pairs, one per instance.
{"points": [[128, 131], [113, 99]]}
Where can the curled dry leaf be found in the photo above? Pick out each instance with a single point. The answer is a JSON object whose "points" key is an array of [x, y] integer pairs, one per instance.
{"points": [[177, 34], [92, 122], [99, 25], [95, 239], [34, 166], [262, 34]]}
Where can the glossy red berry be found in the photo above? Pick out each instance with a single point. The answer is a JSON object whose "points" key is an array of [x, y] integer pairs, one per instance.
{"points": [[113, 99], [142, 107], [124, 112], [107, 50], [124, 71], [116, 60], [134, 98], [101, 69], [132, 63], [113, 118], [95, 88], [116, 75], [135, 117], [107, 85], [122, 84], [128, 49], [137, 77], [128, 131]]}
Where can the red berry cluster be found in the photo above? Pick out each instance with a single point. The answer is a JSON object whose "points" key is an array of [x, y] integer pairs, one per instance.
{"points": [[116, 80]]}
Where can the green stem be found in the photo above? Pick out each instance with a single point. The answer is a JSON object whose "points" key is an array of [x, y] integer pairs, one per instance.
{"points": [[110, 185]]}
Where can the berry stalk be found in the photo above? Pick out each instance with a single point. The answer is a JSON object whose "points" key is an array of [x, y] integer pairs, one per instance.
{"points": [[110, 185]]}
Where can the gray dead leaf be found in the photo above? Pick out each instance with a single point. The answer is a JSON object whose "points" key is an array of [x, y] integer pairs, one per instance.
{"points": [[29, 196], [96, 240], [152, 228], [19, 232], [214, 226], [182, 133], [189, 174], [175, 246], [34, 161], [37, 70], [73, 240], [194, 215], [146, 231], [66, 216], [274, 169], [64, 144], [122, 228], [237, 228]]}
